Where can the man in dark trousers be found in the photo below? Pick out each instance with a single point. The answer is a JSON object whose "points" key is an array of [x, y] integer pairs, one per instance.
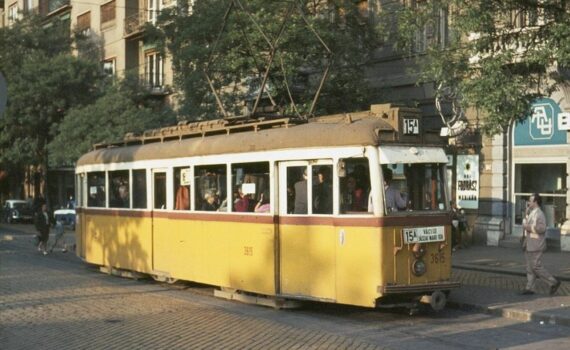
{"points": [[42, 225]]}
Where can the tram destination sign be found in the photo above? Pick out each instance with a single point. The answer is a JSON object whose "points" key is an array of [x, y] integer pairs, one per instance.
{"points": [[423, 234], [411, 126]]}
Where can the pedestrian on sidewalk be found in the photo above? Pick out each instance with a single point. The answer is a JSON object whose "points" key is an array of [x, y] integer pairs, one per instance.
{"points": [[42, 223], [534, 236]]}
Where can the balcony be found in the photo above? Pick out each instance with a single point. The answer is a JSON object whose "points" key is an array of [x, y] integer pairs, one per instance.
{"points": [[52, 7], [134, 24], [154, 84]]}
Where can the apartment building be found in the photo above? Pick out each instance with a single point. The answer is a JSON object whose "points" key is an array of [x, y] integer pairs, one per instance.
{"points": [[118, 27]]}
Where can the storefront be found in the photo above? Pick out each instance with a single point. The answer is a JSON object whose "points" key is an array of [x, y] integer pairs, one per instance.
{"points": [[540, 163]]}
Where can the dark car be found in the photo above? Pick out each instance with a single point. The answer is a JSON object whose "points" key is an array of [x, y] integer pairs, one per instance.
{"points": [[17, 210]]}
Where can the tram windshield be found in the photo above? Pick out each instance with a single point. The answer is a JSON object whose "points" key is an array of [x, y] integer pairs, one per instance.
{"points": [[414, 187], [413, 179]]}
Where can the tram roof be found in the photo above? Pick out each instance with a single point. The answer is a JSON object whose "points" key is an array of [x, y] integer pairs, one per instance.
{"points": [[355, 129]]}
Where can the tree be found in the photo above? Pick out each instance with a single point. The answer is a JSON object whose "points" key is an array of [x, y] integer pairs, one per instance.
{"points": [[297, 40], [44, 81], [123, 109], [499, 57]]}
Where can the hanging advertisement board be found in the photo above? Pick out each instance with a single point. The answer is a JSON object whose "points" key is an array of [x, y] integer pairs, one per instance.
{"points": [[467, 185]]}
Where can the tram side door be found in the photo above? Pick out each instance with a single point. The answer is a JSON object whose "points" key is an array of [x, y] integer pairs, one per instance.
{"points": [[158, 204], [306, 240]]}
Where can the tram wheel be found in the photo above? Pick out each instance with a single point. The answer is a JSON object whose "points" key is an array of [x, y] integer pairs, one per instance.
{"points": [[164, 279]]}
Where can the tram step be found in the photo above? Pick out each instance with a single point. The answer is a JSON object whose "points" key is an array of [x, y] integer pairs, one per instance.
{"points": [[122, 273], [276, 303]]}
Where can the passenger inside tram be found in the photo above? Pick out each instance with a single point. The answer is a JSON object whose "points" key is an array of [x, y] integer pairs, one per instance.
{"points": [[355, 187], [322, 191], [209, 203]]}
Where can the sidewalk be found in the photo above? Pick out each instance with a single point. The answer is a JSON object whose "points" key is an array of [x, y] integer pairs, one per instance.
{"points": [[492, 277]]}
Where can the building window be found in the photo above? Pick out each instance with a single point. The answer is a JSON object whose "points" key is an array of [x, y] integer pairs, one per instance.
{"points": [[152, 10], [548, 180], [84, 23], [153, 70], [13, 14], [28, 6], [108, 13], [109, 67]]}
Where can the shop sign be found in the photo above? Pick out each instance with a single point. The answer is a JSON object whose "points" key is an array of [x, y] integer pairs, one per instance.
{"points": [[546, 125], [467, 186]]}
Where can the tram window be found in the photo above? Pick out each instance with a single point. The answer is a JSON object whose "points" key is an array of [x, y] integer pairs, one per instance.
{"points": [[182, 182], [417, 186], [139, 189], [250, 186], [297, 190], [96, 188], [119, 189], [322, 189], [159, 179], [355, 186], [210, 188]]}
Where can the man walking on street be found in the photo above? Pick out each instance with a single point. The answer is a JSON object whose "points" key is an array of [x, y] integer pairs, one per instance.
{"points": [[534, 226]]}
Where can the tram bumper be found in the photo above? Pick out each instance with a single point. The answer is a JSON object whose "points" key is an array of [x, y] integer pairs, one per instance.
{"points": [[434, 294], [422, 288]]}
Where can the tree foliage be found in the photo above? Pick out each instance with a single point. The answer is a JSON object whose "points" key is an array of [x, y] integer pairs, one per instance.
{"points": [[235, 48], [44, 81], [123, 109], [499, 56]]}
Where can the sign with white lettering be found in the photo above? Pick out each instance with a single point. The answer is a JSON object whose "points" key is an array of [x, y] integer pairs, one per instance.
{"points": [[423, 234], [185, 177], [546, 125], [467, 185], [411, 126]]}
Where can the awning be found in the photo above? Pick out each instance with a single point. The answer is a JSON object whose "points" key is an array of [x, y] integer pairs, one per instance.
{"points": [[407, 154]]}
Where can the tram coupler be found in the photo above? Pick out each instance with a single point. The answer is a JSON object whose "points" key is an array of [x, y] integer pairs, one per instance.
{"points": [[436, 300]]}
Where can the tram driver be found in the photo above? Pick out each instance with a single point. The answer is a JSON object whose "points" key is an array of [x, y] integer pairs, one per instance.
{"points": [[395, 200]]}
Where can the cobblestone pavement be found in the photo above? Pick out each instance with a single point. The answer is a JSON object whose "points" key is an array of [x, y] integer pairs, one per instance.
{"points": [[503, 282], [58, 302]]}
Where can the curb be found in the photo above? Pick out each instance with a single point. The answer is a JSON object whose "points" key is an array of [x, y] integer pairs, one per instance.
{"points": [[510, 313], [501, 271]]}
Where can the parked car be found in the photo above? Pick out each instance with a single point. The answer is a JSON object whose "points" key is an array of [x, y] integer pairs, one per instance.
{"points": [[17, 210], [66, 216]]}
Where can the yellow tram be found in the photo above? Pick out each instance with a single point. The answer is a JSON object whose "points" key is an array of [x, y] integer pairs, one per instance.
{"points": [[344, 209]]}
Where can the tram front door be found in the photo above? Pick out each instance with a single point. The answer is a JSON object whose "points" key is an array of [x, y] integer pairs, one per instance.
{"points": [[306, 239]]}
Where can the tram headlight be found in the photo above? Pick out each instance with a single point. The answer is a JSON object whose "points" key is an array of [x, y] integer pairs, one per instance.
{"points": [[418, 267]]}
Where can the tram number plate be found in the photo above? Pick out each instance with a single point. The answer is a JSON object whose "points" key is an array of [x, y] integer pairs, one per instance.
{"points": [[424, 234]]}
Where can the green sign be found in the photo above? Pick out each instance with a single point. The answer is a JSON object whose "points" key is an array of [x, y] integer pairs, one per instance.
{"points": [[544, 126]]}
